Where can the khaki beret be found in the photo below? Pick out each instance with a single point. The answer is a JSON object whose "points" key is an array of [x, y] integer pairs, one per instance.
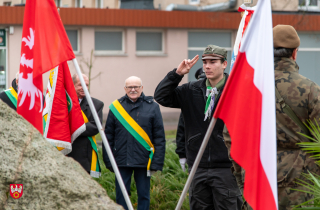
{"points": [[285, 36]]}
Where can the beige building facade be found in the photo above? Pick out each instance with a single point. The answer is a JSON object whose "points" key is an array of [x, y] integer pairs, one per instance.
{"points": [[147, 44]]}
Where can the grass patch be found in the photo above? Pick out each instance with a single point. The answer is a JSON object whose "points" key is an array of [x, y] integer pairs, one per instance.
{"points": [[98, 137], [165, 188]]}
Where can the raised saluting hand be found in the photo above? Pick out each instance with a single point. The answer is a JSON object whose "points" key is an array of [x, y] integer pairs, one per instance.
{"points": [[185, 66]]}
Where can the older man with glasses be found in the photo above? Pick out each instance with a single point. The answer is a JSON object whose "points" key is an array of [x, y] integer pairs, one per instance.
{"points": [[135, 133]]}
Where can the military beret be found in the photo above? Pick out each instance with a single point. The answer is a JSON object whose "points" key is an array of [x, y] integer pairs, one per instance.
{"points": [[214, 52], [285, 36]]}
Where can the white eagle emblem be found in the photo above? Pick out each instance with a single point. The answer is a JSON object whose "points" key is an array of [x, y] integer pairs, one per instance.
{"points": [[26, 86]]}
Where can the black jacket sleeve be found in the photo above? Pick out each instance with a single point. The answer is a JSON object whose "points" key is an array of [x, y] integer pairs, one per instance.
{"points": [[159, 141], [181, 139], [110, 133], [91, 127], [168, 93]]}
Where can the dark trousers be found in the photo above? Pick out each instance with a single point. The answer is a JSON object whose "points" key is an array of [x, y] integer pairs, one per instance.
{"points": [[142, 183], [214, 189]]}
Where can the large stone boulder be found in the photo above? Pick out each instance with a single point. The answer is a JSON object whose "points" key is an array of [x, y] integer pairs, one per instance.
{"points": [[50, 180]]}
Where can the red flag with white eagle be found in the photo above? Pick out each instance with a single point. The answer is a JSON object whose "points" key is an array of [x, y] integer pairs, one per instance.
{"points": [[44, 46], [247, 107]]}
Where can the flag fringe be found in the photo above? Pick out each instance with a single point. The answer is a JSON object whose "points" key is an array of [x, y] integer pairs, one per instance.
{"points": [[78, 132], [95, 174], [57, 143], [53, 88]]}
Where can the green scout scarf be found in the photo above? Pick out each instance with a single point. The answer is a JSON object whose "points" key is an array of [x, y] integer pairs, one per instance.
{"points": [[12, 95], [134, 129], [211, 94], [95, 165]]}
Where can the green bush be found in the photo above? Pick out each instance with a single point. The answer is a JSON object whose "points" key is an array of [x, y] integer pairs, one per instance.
{"points": [[312, 184], [165, 188]]}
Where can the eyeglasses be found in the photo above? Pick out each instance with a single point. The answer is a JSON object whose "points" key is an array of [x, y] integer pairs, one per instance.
{"points": [[134, 87]]}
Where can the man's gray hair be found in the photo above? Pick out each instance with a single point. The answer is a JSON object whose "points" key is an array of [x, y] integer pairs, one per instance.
{"points": [[132, 77], [283, 52], [75, 77]]}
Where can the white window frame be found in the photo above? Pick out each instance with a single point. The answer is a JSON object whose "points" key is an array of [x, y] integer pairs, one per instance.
{"points": [[101, 4], [7, 60], [76, 4], [229, 49], [309, 8], [7, 3], [152, 53], [78, 40], [308, 49], [111, 52], [212, 31], [192, 2]]}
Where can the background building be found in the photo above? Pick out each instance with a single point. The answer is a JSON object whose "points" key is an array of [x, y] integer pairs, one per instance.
{"points": [[149, 43]]}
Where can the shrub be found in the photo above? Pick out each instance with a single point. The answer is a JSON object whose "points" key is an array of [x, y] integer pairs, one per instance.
{"points": [[165, 188]]}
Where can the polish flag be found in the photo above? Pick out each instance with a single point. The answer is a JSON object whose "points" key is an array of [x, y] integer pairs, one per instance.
{"points": [[44, 46], [247, 107]]}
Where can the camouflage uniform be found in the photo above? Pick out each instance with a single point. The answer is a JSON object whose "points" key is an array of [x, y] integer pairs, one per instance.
{"points": [[303, 96]]}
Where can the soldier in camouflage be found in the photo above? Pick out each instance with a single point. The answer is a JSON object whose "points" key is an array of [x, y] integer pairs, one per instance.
{"points": [[303, 97]]}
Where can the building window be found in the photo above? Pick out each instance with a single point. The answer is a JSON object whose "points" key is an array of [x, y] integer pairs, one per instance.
{"points": [[7, 3], [78, 3], [194, 1], [58, 3], [3, 60], [149, 42], [109, 42], [99, 3], [308, 56], [199, 40], [73, 36], [308, 5]]}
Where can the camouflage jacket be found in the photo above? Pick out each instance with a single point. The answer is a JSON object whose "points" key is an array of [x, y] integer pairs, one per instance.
{"points": [[303, 96]]}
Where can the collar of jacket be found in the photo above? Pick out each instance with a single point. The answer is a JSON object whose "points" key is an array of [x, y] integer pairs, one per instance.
{"points": [[285, 64], [219, 84], [148, 99], [202, 83]]}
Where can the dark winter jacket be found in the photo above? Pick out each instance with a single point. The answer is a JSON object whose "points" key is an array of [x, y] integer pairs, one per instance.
{"points": [[181, 138], [191, 98], [81, 147], [127, 151], [6, 99]]}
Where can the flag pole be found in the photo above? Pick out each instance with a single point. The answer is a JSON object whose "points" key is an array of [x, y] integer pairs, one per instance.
{"points": [[196, 163], [103, 136]]}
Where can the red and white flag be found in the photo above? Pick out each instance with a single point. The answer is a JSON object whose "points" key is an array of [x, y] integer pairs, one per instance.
{"points": [[63, 121], [247, 107], [44, 46]]}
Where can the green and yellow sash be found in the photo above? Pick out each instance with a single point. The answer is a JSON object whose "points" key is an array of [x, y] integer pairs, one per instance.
{"points": [[134, 129], [12, 95], [95, 165]]}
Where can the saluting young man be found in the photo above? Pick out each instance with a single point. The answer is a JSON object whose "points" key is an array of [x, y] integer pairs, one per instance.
{"points": [[213, 186]]}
